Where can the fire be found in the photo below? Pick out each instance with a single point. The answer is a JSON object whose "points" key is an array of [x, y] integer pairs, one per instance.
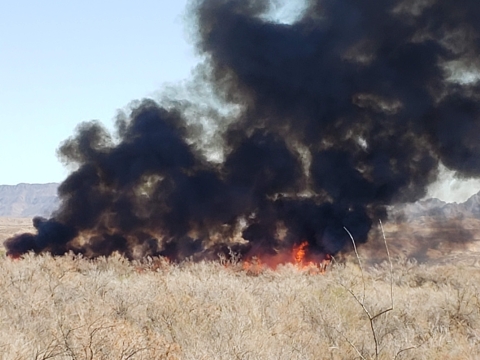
{"points": [[253, 265], [14, 257], [299, 252], [298, 257]]}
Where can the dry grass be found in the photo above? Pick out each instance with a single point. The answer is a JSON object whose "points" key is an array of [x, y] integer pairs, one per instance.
{"points": [[71, 308]]}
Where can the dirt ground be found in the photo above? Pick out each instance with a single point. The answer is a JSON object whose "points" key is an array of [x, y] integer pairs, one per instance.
{"points": [[10, 226]]}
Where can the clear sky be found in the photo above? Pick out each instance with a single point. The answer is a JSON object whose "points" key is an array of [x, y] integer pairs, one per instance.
{"points": [[64, 62], [67, 61]]}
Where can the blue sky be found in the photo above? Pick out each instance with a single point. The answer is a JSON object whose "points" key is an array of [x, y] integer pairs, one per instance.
{"points": [[64, 62]]}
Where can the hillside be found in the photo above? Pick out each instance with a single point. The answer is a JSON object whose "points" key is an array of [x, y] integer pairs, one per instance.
{"points": [[28, 200], [439, 209]]}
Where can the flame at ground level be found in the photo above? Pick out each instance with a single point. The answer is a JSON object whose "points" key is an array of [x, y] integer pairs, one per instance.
{"points": [[253, 260], [298, 257], [299, 252]]}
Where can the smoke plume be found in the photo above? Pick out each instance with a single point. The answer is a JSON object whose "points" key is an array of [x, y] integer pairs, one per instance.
{"points": [[340, 114]]}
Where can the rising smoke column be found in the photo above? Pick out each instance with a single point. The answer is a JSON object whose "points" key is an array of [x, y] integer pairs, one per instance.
{"points": [[340, 114]]}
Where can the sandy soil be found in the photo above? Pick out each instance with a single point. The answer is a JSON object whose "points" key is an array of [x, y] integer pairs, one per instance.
{"points": [[10, 226]]}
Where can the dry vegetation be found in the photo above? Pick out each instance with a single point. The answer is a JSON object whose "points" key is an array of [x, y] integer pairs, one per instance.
{"points": [[72, 308]]}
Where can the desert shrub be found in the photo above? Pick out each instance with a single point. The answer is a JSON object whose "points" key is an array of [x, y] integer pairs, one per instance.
{"points": [[73, 308]]}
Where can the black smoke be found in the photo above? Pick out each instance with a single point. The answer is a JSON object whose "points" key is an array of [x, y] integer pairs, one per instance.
{"points": [[347, 110]]}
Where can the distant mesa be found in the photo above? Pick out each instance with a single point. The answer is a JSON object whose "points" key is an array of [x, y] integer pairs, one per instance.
{"points": [[28, 200], [439, 209]]}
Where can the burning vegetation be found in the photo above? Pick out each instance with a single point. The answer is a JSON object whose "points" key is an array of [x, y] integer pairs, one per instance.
{"points": [[347, 110]]}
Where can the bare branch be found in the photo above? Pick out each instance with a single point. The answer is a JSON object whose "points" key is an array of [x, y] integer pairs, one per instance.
{"points": [[358, 259]]}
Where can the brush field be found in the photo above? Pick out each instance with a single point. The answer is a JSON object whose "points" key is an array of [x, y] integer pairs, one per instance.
{"points": [[73, 308]]}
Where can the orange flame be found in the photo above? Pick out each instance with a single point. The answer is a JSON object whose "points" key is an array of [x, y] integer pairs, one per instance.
{"points": [[299, 252], [298, 257], [14, 257], [253, 266]]}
